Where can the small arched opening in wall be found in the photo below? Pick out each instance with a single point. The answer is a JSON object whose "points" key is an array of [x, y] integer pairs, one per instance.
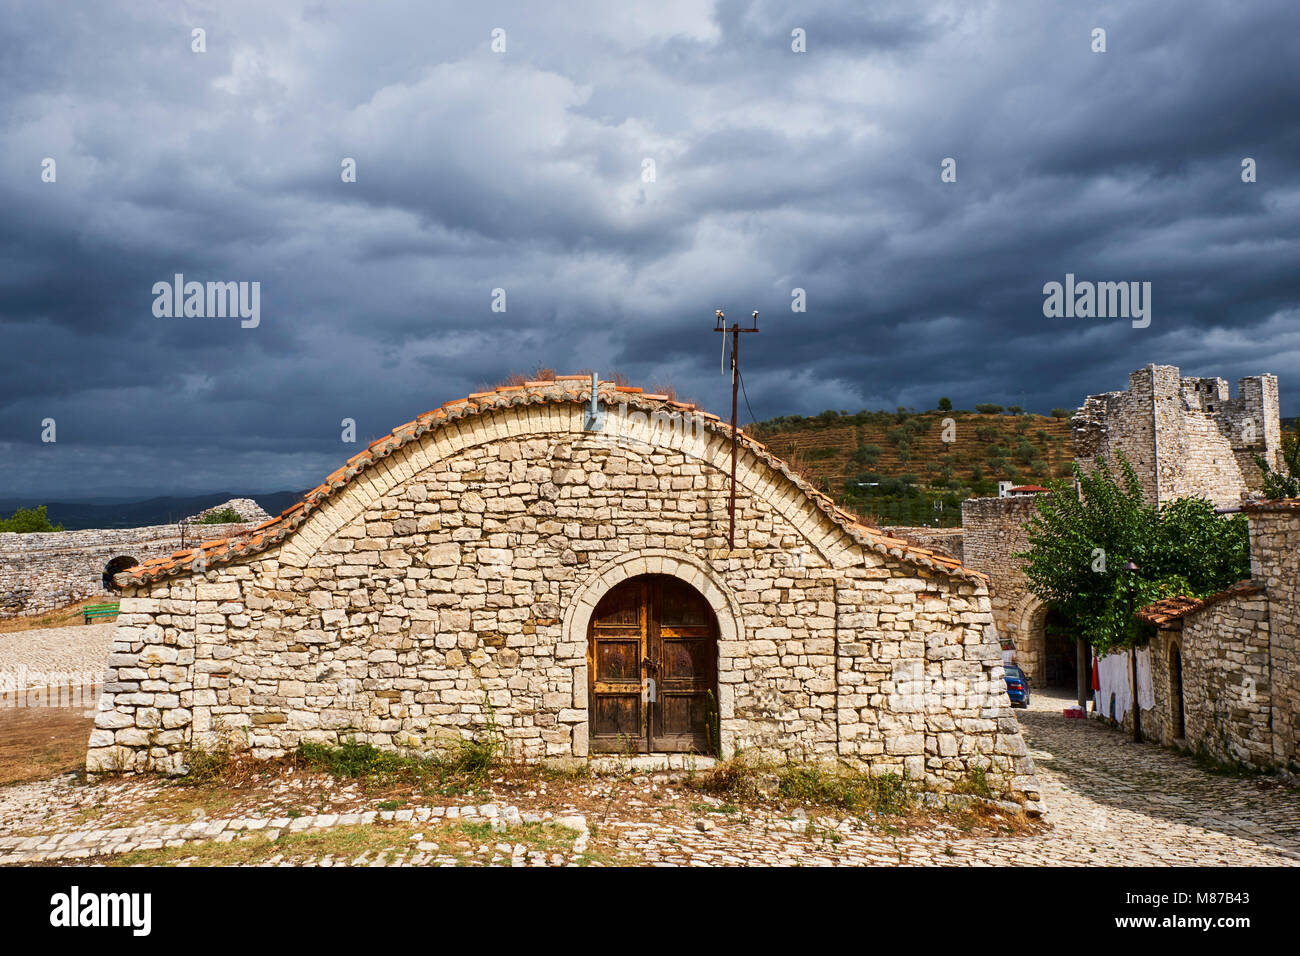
{"points": [[117, 566], [664, 591], [1177, 707]]}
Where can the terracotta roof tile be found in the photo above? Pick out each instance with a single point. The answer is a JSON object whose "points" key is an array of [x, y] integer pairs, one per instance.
{"points": [[277, 529], [1276, 504], [1169, 612]]}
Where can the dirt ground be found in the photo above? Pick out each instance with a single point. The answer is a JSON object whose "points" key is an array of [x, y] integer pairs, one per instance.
{"points": [[38, 742]]}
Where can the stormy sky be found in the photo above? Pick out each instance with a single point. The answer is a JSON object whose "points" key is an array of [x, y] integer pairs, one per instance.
{"points": [[525, 169]]}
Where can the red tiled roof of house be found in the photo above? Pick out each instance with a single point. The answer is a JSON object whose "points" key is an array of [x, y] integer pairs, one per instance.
{"points": [[1169, 612], [1275, 504], [1028, 488], [565, 388]]}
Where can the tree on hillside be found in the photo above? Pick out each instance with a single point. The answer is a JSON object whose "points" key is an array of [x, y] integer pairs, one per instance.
{"points": [[1278, 484], [27, 520], [1061, 413], [945, 404], [988, 408], [1082, 537]]}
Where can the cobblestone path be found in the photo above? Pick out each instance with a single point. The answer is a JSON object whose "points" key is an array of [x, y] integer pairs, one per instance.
{"points": [[1109, 802]]}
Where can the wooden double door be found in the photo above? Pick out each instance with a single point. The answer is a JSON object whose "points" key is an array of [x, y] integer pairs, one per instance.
{"points": [[652, 666]]}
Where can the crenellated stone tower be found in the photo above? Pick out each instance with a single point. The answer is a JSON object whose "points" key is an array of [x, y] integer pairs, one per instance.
{"points": [[1184, 437]]}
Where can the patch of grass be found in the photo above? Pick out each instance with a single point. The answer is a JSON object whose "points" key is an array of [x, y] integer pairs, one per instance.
{"points": [[461, 840], [62, 617], [976, 784], [464, 767], [751, 780], [224, 516]]}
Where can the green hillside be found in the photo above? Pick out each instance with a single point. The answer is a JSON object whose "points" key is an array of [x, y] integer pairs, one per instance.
{"points": [[898, 468]]}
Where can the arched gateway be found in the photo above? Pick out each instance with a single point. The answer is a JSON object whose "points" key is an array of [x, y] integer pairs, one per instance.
{"points": [[555, 565]]}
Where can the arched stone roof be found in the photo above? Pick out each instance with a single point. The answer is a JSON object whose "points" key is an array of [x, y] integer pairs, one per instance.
{"points": [[464, 418]]}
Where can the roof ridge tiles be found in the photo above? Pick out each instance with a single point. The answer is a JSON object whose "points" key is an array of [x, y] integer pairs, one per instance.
{"points": [[534, 392]]}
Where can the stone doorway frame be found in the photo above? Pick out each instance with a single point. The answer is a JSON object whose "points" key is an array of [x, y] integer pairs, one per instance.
{"points": [[684, 567]]}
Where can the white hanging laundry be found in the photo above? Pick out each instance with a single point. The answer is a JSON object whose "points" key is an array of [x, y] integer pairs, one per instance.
{"points": [[1146, 689], [1113, 678]]}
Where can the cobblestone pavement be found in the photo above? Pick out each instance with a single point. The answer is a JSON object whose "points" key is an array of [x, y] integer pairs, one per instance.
{"points": [[1109, 802], [62, 656]]}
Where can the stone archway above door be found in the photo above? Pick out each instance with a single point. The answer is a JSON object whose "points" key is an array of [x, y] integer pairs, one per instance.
{"points": [[730, 628], [652, 668]]}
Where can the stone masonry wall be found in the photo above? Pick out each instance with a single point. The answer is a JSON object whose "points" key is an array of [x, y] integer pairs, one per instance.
{"points": [[432, 596], [1275, 563], [45, 571], [1226, 679], [993, 531], [947, 540], [1184, 437]]}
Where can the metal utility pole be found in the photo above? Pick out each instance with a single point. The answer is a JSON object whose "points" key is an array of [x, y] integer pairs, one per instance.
{"points": [[1129, 569], [735, 330]]}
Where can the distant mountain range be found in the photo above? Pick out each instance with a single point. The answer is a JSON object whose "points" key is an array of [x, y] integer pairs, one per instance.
{"points": [[112, 513]]}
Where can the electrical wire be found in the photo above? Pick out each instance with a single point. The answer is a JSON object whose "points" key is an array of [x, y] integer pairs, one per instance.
{"points": [[752, 416]]}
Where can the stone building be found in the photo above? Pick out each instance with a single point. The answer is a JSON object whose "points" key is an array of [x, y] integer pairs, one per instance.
{"points": [[556, 567], [993, 533], [1184, 437], [1226, 669], [50, 570]]}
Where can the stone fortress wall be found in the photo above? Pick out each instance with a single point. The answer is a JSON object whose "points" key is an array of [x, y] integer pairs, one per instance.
{"points": [[1185, 437], [45, 571]]}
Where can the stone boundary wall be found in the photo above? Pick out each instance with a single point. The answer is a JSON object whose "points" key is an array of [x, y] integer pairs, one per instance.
{"points": [[1240, 658], [1226, 683], [948, 540], [44, 571], [1275, 563], [993, 530], [438, 592]]}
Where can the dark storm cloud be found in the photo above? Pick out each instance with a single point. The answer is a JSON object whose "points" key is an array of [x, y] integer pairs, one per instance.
{"points": [[523, 171]]}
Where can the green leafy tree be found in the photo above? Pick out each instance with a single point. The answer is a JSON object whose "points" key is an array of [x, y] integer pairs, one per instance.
{"points": [[868, 454], [1061, 413], [1081, 537], [988, 408], [27, 520], [945, 404], [1276, 483]]}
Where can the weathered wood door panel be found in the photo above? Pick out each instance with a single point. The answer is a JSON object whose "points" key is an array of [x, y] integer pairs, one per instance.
{"points": [[652, 665]]}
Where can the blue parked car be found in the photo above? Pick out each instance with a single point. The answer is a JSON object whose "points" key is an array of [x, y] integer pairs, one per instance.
{"points": [[1017, 684]]}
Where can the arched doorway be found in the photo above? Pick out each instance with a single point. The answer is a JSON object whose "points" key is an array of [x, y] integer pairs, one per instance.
{"points": [[1060, 652], [117, 566], [1176, 692], [652, 666]]}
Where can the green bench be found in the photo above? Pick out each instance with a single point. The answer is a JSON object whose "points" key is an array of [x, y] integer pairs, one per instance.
{"points": [[92, 611]]}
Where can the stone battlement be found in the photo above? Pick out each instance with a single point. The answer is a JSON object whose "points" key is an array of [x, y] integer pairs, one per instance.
{"points": [[1185, 437]]}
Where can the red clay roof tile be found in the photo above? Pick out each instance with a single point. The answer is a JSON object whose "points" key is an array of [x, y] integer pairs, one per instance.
{"points": [[276, 529]]}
